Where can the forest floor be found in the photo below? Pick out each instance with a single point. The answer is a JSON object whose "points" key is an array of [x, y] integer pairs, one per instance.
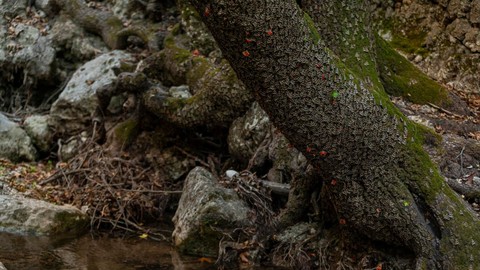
{"points": [[125, 193]]}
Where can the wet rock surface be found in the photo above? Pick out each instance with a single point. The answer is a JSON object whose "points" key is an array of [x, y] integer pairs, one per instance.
{"points": [[23, 215], [204, 211]]}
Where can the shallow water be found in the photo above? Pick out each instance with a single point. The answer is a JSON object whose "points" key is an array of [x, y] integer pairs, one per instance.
{"points": [[91, 253]]}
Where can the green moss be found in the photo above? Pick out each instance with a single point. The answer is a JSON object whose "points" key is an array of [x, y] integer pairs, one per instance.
{"points": [[127, 66], [114, 22], [189, 12], [200, 65], [402, 78], [71, 223], [126, 131], [314, 35], [204, 244], [180, 55], [462, 231], [176, 29], [412, 43], [174, 104]]}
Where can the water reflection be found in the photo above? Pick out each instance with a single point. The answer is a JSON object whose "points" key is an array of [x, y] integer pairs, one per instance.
{"points": [[89, 253]]}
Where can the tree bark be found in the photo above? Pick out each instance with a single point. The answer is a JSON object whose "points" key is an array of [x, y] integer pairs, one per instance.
{"points": [[378, 178]]}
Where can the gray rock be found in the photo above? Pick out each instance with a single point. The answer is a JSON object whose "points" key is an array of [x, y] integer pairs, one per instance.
{"points": [[37, 56], [206, 205], [12, 8], [47, 6], [248, 132], [251, 136], [70, 147], [15, 144], [182, 91], [37, 128], [287, 161], [75, 106], [74, 41], [28, 51], [28, 216], [2, 267], [472, 40], [122, 8], [459, 28], [458, 8], [475, 12]]}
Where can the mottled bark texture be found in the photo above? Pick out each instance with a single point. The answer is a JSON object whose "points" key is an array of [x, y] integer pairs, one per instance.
{"points": [[379, 180], [102, 23]]}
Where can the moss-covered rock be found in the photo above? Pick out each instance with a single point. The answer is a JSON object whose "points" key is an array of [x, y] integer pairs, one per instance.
{"points": [[402, 78], [28, 216]]}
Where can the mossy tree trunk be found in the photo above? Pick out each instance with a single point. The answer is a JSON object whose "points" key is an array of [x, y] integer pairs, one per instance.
{"points": [[380, 182]]}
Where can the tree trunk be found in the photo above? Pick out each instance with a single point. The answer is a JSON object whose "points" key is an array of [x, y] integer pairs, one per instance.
{"points": [[377, 177]]}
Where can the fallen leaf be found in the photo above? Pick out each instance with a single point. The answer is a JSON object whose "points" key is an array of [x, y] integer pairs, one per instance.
{"points": [[205, 260]]}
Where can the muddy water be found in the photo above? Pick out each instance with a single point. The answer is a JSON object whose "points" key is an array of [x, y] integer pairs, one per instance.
{"points": [[89, 253]]}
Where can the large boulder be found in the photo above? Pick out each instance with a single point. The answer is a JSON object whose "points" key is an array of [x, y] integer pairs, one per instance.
{"points": [[74, 108], [29, 216], [15, 144], [206, 210]]}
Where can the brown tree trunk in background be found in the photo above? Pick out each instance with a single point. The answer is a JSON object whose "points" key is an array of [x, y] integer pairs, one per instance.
{"points": [[380, 182]]}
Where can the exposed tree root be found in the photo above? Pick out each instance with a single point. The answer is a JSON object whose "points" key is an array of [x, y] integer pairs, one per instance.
{"points": [[103, 23]]}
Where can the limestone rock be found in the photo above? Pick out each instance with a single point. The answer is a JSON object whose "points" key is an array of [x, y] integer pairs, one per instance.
{"points": [[288, 162], [74, 41], [204, 211], [247, 133], [28, 216], [459, 28], [12, 8], [75, 106], [472, 40], [48, 6], [475, 12], [38, 57], [37, 128], [29, 51], [15, 144]]}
